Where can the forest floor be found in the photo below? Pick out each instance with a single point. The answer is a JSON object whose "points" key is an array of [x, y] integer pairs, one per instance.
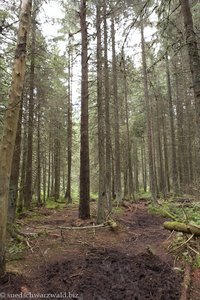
{"points": [[130, 263]]}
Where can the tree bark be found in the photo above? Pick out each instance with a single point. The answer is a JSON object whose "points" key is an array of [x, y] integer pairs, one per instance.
{"points": [[10, 124], [24, 158], [69, 131], [165, 151], [28, 184], [152, 178], [130, 169], [107, 113], [194, 61], [14, 177], [172, 129], [144, 167], [117, 158], [84, 203], [57, 158], [101, 124], [39, 201]]}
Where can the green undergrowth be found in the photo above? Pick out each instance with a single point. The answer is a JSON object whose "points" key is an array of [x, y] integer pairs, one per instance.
{"points": [[16, 251], [187, 212], [58, 204], [117, 210], [196, 263], [143, 195]]}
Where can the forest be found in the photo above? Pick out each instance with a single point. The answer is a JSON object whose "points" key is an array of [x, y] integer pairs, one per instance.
{"points": [[100, 149]]}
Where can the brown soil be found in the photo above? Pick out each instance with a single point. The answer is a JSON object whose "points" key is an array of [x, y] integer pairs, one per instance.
{"points": [[131, 263]]}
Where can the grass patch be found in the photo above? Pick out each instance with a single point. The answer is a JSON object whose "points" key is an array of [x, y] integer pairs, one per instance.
{"points": [[143, 194], [52, 204], [184, 210], [118, 210]]}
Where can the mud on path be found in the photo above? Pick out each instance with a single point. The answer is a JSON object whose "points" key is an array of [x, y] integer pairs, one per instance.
{"points": [[95, 264]]}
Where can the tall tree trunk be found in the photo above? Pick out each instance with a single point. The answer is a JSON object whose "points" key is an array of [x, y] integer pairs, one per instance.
{"points": [[52, 190], [130, 169], [182, 144], [152, 178], [39, 201], [107, 112], [57, 162], [172, 129], [49, 165], [117, 158], [44, 176], [194, 61], [28, 184], [144, 167], [161, 175], [136, 166], [165, 145], [14, 177], [84, 204], [10, 124], [69, 130], [101, 124], [24, 154]]}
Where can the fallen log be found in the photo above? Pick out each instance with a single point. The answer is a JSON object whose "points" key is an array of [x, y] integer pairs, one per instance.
{"points": [[182, 227], [81, 227]]}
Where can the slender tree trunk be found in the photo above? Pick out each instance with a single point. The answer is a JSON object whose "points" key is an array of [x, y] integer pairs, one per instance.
{"points": [[44, 173], [57, 162], [39, 201], [49, 165], [14, 177], [189, 118], [172, 129], [84, 204], [161, 175], [144, 168], [101, 124], [28, 185], [52, 191], [118, 188], [69, 131], [182, 146], [24, 154], [113, 174], [194, 61], [10, 124], [165, 151], [152, 178], [136, 166], [130, 169], [107, 113]]}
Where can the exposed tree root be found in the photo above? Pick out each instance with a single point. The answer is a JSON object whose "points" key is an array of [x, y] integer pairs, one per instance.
{"points": [[18, 236]]}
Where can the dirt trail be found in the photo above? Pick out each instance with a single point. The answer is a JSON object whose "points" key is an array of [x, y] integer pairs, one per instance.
{"points": [[97, 264]]}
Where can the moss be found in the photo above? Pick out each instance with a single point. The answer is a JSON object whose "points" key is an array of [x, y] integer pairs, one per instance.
{"points": [[196, 263], [118, 210]]}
